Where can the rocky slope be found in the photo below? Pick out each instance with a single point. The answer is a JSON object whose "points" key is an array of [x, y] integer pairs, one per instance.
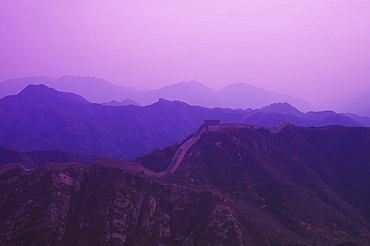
{"points": [[103, 205], [313, 181], [235, 186]]}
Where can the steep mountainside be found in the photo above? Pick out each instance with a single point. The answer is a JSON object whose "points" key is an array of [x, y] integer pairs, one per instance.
{"points": [[235, 186], [112, 206], [314, 181]]}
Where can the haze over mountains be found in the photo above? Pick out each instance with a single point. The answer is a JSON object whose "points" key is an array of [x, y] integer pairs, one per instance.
{"points": [[360, 105], [247, 182], [192, 92], [41, 118], [237, 95], [254, 129]]}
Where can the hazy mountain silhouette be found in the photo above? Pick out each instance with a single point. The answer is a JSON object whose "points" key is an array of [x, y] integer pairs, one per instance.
{"points": [[14, 86], [91, 88], [281, 108], [235, 186], [361, 119], [242, 95], [192, 92], [125, 102], [233, 96], [272, 115], [360, 105], [41, 118]]}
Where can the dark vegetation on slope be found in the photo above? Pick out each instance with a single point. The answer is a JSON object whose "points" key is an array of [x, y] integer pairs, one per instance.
{"points": [[314, 181], [33, 159], [158, 160], [111, 206], [301, 186]]}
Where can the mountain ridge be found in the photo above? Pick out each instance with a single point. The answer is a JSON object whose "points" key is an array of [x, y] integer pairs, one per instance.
{"points": [[49, 120], [235, 186], [359, 105], [193, 92]]}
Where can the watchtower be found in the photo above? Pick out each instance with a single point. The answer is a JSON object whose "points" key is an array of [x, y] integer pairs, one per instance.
{"points": [[211, 122]]}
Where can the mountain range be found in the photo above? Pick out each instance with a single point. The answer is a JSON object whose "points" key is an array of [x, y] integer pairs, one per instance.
{"points": [[192, 92], [244, 182], [275, 113], [41, 118], [238, 95], [236, 185], [360, 105]]}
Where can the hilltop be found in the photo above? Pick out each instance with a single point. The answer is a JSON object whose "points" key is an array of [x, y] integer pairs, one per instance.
{"points": [[42, 118], [236, 185]]}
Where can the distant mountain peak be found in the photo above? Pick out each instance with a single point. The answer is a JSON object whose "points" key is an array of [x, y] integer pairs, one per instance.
{"points": [[187, 86], [165, 101], [360, 105], [242, 85], [282, 108], [192, 82], [43, 91], [79, 77], [38, 89], [125, 102]]}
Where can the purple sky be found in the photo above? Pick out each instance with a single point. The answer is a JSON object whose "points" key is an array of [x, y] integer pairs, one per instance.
{"points": [[313, 49]]}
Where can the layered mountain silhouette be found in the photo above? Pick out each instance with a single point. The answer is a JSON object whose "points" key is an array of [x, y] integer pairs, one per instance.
{"points": [[360, 105], [275, 113], [125, 102], [91, 88], [236, 185], [41, 118], [192, 92], [14, 86]]}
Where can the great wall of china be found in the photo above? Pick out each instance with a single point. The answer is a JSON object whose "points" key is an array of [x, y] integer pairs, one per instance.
{"points": [[209, 125]]}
